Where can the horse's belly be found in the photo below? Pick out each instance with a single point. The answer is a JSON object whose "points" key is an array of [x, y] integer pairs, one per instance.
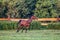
{"points": [[21, 25], [24, 23], [27, 25]]}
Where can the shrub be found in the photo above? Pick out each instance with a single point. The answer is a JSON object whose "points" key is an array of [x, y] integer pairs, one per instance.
{"points": [[35, 25], [5, 25], [8, 25], [54, 26]]}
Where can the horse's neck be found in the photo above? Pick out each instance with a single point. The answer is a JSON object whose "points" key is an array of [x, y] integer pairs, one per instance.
{"points": [[29, 20]]}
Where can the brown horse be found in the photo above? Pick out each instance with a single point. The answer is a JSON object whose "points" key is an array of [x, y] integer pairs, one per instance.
{"points": [[25, 24]]}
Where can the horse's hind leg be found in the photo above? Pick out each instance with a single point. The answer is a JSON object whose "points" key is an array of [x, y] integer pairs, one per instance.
{"points": [[19, 28], [26, 31]]}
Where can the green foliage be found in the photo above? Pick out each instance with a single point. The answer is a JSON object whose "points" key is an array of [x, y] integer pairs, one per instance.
{"points": [[2, 9], [46, 8], [5, 25], [54, 26], [35, 25], [20, 8], [8, 25]]}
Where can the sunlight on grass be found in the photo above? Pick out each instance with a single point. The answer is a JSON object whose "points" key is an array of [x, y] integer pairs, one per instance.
{"points": [[30, 35]]}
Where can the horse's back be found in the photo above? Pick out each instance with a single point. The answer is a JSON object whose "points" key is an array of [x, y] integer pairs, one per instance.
{"points": [[23, 22]]}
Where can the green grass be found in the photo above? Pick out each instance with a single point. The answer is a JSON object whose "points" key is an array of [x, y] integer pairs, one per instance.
{"points": [[30, 35]]}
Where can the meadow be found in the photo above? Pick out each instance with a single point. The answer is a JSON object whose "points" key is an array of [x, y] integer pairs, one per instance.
{"points": [[30, 35]]}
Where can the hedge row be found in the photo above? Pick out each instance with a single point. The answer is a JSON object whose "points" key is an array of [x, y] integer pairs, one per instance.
{"points": [[8, 25], [54, 25], [5, 25]]}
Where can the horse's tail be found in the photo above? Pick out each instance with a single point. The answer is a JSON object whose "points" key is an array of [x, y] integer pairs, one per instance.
{"points": [[19, 21]]}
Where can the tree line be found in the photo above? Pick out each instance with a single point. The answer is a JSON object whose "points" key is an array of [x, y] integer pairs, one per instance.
{"points": [[27, 8]]}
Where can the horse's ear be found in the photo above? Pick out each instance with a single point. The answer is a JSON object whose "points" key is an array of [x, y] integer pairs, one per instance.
{"points": [[32, 17]]}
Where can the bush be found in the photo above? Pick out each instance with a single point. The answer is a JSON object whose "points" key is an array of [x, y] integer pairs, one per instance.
{"points": [[35, 25], [54, 26], [8, 25], [5, 25]]}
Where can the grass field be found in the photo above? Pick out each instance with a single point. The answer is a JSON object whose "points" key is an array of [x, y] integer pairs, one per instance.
{"points": [[30, 35]]}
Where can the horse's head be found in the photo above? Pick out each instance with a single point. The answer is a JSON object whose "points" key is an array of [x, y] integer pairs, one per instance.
{"points": [[34, 17]]}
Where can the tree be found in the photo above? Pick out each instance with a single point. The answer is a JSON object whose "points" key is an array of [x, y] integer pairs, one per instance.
{"points": [[58, 8], [45, 8], [26, 8], [2, 9]]}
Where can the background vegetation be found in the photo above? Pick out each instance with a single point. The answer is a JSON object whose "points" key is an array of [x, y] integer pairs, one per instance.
{"points": [[9, 25], [25, 8]]}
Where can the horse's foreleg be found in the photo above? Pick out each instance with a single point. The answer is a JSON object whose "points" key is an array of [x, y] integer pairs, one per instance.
{"points": [[22, 29]]}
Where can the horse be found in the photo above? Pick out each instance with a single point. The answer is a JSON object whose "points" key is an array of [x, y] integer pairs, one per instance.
{"points": [[25, 24]]}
